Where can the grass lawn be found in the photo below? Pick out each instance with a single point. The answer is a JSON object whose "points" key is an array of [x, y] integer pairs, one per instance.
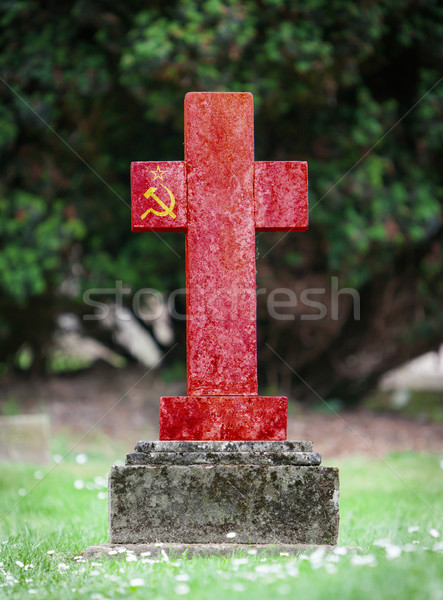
{"points": [[391, 509]]}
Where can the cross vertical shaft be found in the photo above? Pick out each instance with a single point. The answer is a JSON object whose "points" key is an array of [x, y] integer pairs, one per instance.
{"points": [[220, 245]]}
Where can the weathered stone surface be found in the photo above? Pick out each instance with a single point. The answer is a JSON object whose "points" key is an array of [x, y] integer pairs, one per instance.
{"points": [[220, 246], [223, 446], [155, 551], [223, 452], [202, 504], [223, 458], [239, 417], [274, 183]]}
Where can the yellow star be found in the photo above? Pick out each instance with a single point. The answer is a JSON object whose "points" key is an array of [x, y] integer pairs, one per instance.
{"points": [[158, 173]]}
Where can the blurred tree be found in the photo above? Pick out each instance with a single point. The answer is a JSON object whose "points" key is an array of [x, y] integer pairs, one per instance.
{"points": [[89, 86]]}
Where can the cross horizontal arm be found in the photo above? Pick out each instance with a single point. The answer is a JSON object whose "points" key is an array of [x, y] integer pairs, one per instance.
{"points": [[281, 196], [159, 196]]}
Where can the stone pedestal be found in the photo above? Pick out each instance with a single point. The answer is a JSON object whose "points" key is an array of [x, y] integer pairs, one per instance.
{"points": [[191, 492]]}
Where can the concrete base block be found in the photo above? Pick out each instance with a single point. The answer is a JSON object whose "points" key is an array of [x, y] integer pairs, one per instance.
{"points": [[223, 417], [261, 503]]}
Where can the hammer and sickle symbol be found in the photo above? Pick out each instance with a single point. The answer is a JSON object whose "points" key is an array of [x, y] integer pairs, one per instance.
{"points": [[167, 210]]}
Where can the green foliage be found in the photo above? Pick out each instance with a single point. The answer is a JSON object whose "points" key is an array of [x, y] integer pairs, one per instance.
{"points": [[334, 82], [36, 236]]}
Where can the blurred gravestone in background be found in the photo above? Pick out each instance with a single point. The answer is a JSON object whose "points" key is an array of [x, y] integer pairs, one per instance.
{"points": [[25, 438], [349, 88]]}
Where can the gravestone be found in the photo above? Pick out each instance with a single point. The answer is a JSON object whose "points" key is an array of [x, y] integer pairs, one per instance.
{"points": [[25, 438], [222, 470]]}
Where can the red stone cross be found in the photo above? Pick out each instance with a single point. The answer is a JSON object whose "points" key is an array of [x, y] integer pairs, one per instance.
{"points": [[220, 197]]}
